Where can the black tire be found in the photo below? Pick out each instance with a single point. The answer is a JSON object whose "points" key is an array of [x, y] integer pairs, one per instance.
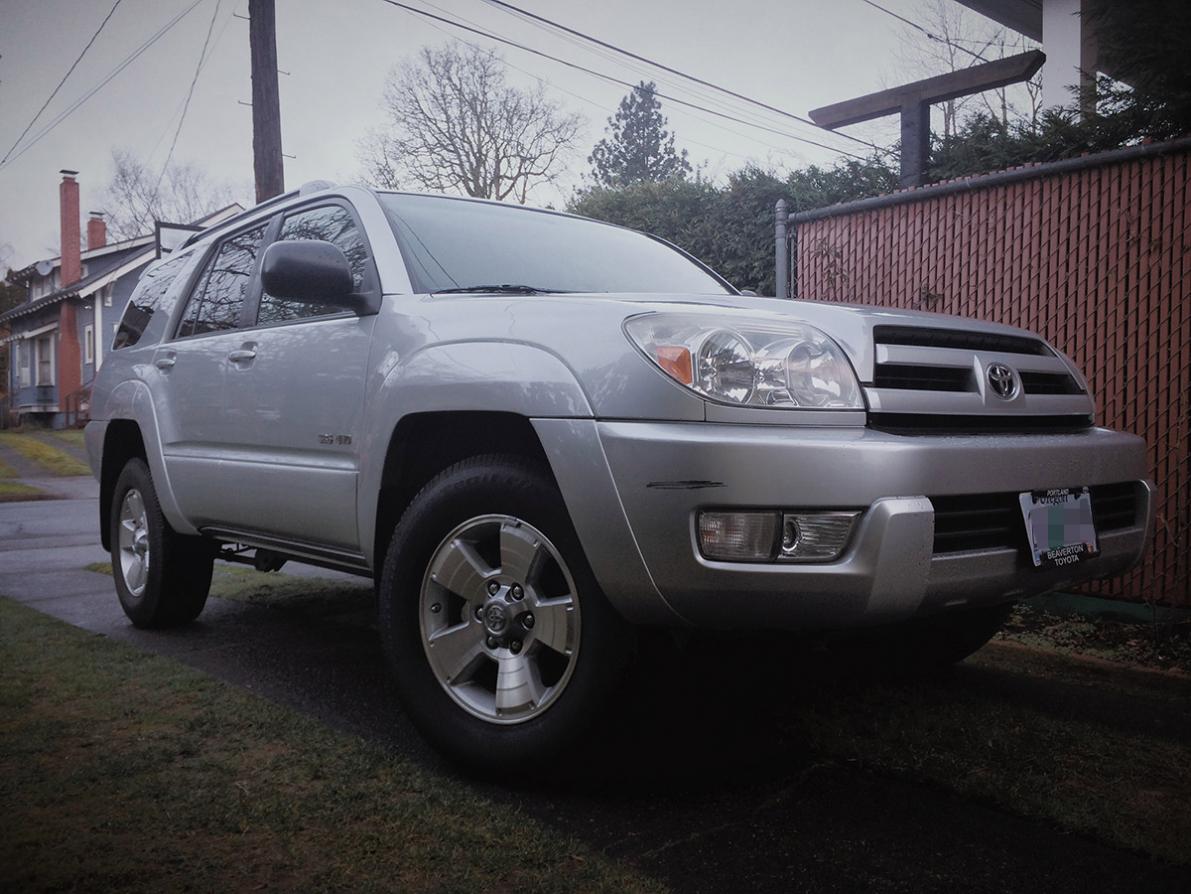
{"points": [[175, 587], [523, 489], [947, 638]]}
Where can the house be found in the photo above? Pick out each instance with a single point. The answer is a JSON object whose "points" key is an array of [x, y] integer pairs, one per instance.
{"points": [[1066, 33], [57, 337]]}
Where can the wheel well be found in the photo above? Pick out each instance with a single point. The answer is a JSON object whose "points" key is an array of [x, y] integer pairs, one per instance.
{"points": [[423, 444], [121, 442]]}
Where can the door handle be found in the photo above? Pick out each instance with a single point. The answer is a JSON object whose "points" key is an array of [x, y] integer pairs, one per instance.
{"points": [[241, 355], [165, 361]]}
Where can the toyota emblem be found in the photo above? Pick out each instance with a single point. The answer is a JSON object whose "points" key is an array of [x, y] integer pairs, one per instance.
{"points": [[1001, 380], [496, 618]]}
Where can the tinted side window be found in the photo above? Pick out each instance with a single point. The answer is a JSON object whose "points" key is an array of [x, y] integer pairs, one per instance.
{"points": [[150, 305], [332, 224], [216, 302]]}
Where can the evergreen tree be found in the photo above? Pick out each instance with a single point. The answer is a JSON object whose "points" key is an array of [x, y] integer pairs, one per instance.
{"points": [[638, 148]]}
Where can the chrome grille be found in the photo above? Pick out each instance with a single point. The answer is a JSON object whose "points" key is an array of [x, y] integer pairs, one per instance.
{"points": [[1049, 383], [928, 380], [925, 337], [923, 378]]}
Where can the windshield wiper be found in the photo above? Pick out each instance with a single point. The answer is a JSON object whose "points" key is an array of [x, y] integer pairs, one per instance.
{"points": [[502, 289]]}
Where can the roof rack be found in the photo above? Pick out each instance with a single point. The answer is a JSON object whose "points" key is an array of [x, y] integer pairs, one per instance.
{"points": [[216, 227], [305, 189]]}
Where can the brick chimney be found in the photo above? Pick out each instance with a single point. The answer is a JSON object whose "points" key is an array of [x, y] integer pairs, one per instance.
{"points": [[68, 225], [97, 231]]}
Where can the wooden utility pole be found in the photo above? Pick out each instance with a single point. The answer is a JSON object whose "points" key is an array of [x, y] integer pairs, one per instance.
{"points": [[266, 108]]}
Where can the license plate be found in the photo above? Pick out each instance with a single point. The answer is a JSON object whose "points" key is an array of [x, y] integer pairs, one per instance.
{"points": [[1059, 526]]}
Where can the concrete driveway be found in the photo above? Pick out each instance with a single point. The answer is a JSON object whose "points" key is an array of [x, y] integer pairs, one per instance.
{"points": [[699, 784]]}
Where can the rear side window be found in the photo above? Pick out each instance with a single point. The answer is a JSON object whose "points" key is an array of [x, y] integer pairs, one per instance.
{"points": [[151, 304], [219, 297], [334, 224]]}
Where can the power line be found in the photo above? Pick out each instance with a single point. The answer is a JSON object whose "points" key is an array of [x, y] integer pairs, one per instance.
{"points": [[800, 118], [103, 83], [927, 32], [606, 77], [707, 96], [178, 109], [603, 106], [189, 93], [54, 92]]}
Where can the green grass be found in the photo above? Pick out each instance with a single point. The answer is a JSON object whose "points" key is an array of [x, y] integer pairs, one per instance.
{"points": [[50, 459], [985, 732], [73, 436], [1023, 753], [348, 600], [121, 770], [16, 491]]}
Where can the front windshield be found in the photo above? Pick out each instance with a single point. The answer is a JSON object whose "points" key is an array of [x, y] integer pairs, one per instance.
{"points": [[458, 244]]}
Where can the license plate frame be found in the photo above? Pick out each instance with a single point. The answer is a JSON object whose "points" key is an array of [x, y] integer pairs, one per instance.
{"points": [[1060, 528]]}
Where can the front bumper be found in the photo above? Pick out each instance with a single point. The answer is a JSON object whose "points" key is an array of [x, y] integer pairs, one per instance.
{"points": [[665, 472]]}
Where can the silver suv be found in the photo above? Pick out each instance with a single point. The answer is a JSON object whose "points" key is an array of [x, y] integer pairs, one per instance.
{"points": [[538, 433]]}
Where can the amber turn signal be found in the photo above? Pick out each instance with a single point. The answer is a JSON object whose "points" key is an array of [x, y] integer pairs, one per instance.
{"points": [[676, 361]]}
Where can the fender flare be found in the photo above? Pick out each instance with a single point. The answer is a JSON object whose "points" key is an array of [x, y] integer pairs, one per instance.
{"points": [[131, 400], [485, 376]]}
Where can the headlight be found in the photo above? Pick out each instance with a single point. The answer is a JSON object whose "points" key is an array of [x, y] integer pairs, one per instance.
{"points": [[756, 364]]}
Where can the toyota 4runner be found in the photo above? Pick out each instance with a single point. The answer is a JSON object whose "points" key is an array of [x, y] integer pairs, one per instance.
{"points": [[537, 432]]}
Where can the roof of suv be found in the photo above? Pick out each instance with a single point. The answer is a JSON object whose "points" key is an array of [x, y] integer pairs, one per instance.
{"points": [[317, 186]]}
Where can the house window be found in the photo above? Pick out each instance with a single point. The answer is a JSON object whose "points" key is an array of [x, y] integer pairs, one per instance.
{"points": [[24, 374], [44, 350], [88, 344], [107, 296]]}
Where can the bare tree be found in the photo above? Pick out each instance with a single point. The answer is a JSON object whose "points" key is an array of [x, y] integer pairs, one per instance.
{"points": [[138, 195], [456, 126], [957, 38]]}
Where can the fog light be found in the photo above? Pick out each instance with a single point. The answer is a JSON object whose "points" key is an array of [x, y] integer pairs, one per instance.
{"points": [[815, 536], [738, 536]]}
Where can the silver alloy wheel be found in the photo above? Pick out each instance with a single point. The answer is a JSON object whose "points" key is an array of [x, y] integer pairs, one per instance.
{"points": [[499, 619], [134, 542]]}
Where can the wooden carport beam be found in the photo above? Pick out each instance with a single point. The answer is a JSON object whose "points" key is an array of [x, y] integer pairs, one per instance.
{"points": [[913, 101]]}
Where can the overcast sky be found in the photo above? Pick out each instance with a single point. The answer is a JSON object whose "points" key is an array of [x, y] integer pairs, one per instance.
{"points": [[795, 54]]}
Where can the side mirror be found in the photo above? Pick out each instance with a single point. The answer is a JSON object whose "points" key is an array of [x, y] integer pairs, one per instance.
{"points": [[748, 293], [310, 271]]}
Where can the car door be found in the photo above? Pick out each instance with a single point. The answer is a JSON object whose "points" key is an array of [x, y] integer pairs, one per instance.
{"points": [[200, 429], [298, 401]]}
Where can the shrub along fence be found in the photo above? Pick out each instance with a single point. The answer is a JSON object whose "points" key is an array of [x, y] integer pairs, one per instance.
{"points": [[1092, 253]]}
